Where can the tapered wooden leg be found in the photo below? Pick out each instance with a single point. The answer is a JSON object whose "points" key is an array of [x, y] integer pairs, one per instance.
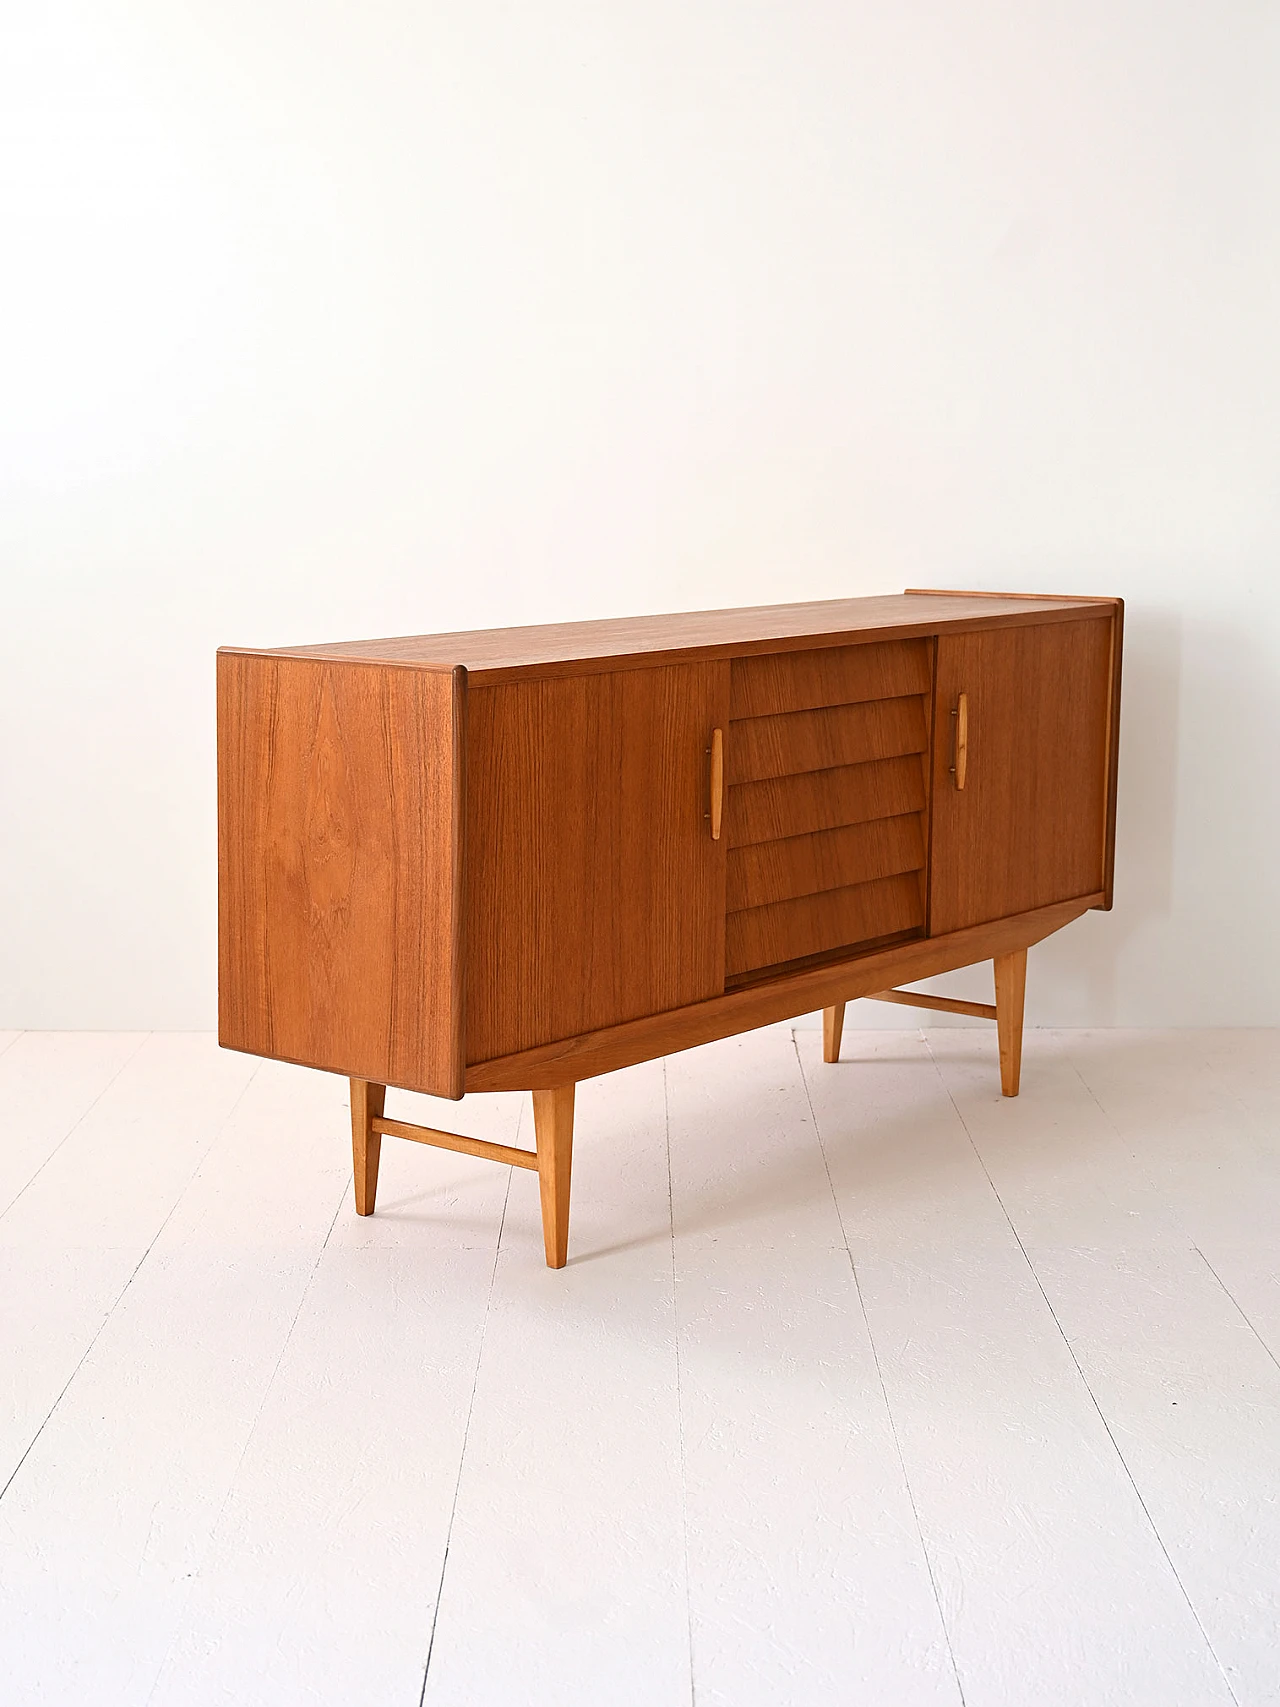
{"points": [[553, 1127], [1011, 989], [367, 1103], [832, 1031]]}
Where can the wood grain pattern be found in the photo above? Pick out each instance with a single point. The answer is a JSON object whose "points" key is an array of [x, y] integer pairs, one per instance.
{"points": [[763, 1003], [960, 752], [839, 918], [595, 890], [367, 1103], [1029, 828], [456, 1141], [599, 915], [339, 868], [825, 859], [936, 1004], [691, 636], [835, 675], [1011, 990], [828, 801], [553, 1125], [823, 800], [716, 814], [832, 1032], [965, 593], [787, 744]]}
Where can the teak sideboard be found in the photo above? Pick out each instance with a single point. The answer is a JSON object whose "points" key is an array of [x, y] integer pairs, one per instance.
{"points": [[514, 859]]}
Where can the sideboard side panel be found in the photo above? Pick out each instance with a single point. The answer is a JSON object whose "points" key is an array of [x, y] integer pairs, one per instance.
{"points": [[1113, 756], [339, 817], [595, 892]]}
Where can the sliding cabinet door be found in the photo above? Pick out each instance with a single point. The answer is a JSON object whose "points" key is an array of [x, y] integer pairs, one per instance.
{"points": [[1022, 720], [594, 887]]}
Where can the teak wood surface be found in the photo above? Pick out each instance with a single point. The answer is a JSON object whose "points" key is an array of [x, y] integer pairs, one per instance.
{"points": [[785, 806], [1028, 826], [780, 870], [785, 997], [1011, 990], [340, 795], [814, 679], [567, 648], [593, 879], [512, 860], [813, 924], [790, 742]]}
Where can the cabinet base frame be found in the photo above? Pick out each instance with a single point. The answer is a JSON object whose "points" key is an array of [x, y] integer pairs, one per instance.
{"points": [[785, 997], [941, 1004], [1011, 986], [552, 1072], [552, 1160]]}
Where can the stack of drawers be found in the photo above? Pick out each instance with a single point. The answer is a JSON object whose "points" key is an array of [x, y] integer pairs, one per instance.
{"points": [[827, 809]]}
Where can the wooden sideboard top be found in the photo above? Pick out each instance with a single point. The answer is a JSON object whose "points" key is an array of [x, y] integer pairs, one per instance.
{"points": [[554, 648]]}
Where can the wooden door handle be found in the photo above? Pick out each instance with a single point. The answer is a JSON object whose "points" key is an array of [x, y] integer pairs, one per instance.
{"points": [[717, 782], [961, 714]]}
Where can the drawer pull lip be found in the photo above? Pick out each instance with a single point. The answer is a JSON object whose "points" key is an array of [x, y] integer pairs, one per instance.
{"points": [[716, 750], [959, 770]]}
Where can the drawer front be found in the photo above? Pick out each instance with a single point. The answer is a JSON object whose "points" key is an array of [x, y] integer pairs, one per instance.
{"points": [[813, 924], [833, 675], [826, 817], [824, 799], [781, 870], [815, 741]]}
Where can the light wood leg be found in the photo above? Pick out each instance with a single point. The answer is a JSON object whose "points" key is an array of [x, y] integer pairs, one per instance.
{"points": [[1011, 989], [553, 1128], [367, 1103], [832, 1031]]}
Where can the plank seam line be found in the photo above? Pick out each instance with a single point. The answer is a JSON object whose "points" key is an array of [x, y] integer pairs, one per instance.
{"points": [[73, 1128], [675, 1319], [1071, 1353], [1239, 1307], [133, 1275], [466, 1428], [253, 1426], [884, 1391]]}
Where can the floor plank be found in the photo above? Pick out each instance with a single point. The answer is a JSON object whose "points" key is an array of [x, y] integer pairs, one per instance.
{"points": [[569, 1511], [805, 1559], [1054, 1585], [72, 1241], [1206, 1133], [113, 1511], [49, 1080], [318, 1582], [1107, 1196], [1198, 1111], [1248, 1274], [935, 1388]]}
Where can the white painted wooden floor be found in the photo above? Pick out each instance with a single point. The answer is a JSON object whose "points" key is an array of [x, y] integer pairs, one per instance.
{"points": [[862, 1385]]}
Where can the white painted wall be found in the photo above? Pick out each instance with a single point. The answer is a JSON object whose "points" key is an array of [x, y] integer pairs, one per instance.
{"points": [[322, 321]]}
